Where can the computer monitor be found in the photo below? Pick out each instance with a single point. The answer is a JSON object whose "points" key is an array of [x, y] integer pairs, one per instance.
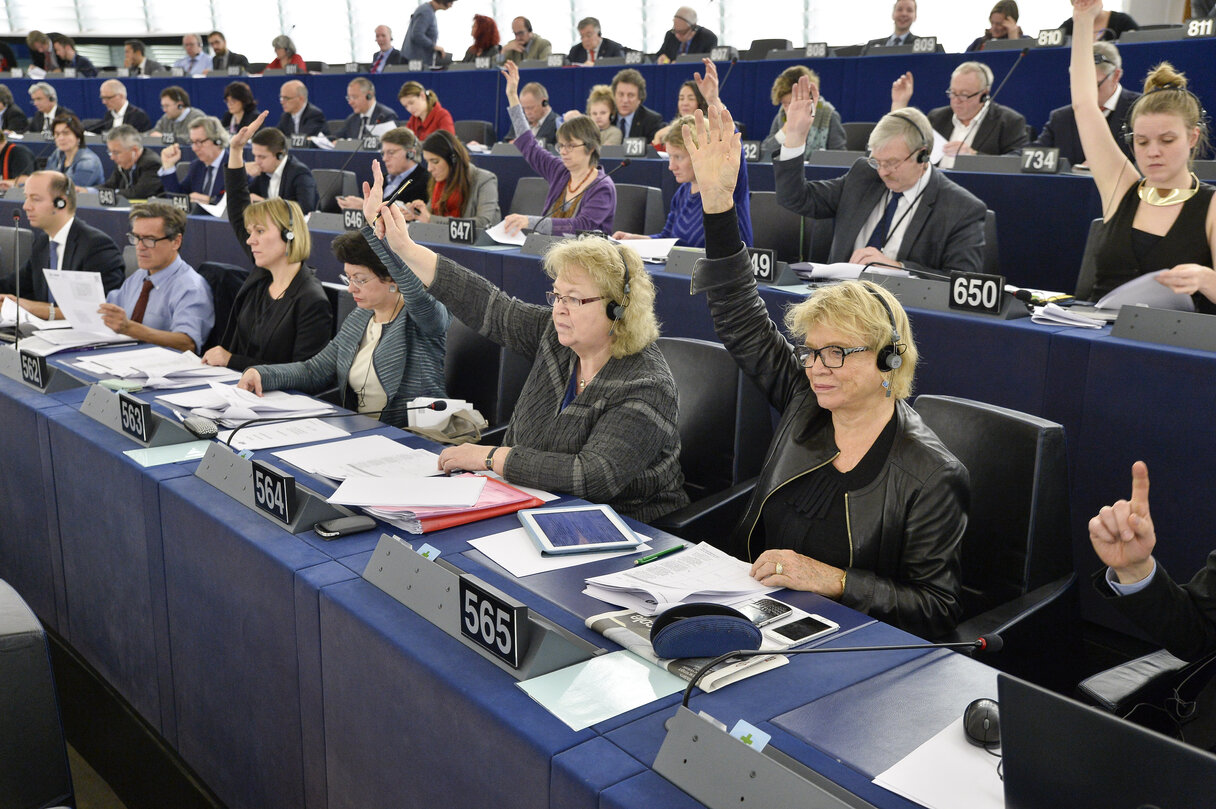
{"points": [[1058, 752]]}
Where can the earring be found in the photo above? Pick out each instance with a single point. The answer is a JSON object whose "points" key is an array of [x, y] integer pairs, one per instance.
{"points": [[392, 287], [886, 383]]}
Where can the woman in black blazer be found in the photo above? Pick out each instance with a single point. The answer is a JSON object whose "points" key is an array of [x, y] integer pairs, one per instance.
{"points": [[242, 107], [281, 313]]}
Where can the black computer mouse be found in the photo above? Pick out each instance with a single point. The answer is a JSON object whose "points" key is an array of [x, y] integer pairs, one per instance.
{"points": [[982, 723]]}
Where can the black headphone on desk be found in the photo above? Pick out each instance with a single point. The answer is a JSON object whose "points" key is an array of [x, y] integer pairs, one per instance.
{"points": [[888, 357], [615, 309]]}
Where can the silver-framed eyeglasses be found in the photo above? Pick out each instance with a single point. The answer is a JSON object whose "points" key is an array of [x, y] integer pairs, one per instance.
{"points": [[569, 301], [149, 242], [359, 282], [569, 147], [830, 356], [887, 165]]}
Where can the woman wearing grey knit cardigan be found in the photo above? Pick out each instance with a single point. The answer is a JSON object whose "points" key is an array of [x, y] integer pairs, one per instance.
{"points": [[597, 416], [388, 350]]}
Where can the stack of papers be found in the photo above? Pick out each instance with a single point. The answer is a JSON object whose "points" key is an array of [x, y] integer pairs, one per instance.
{"points": [[156, 367], [652, 250], [703, 573], [231, 406], [418, 505], [840, 271], [52, 341], [282, 434], [1057, 315], [371, 456]]}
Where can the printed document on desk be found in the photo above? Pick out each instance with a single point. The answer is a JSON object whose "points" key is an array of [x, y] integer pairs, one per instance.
{"points": [[10, 312], [371, 456], [702, 573], [397, 492], [232, 406], [157, 367], [283, 434], [515, 552], [652, 250]]}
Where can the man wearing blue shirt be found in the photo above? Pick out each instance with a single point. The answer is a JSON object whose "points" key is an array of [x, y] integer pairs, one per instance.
{"points": [[195, 62], [165, 301], [204, 181]]}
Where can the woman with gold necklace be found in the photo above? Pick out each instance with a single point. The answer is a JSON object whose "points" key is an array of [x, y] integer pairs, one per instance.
{"points": [[581, 196], [1167, 220]]}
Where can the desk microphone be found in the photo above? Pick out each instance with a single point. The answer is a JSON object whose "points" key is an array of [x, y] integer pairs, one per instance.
{"points": [[915, 272], [971, 128], [623, 164], [439, 405], [18, 326], [991, 642]]}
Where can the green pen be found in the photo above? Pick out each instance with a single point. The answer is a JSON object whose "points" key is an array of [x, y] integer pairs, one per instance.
{"points": [[652, 557]]}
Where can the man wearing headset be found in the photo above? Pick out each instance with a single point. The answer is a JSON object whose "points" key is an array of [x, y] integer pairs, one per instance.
{"points": [[278, 175], [367, 112], [165, 302], [178, 116], [204, 181], [971, 124], [61, 242], [685, 36], [542, 120], [1114, 99], [892, 207], [526, 46], [401, 153]]}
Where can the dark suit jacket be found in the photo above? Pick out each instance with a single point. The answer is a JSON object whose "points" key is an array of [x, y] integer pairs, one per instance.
{"points": [[83, 66], [142, 181], [196, 179], [354, 124], [908, 40], [645, 123], [608, 49], [312, 122], [303, 321], [40, 122], [703, 41], [946, 231], [149, 67], [87, 249], [548, 129], [1061, 129], [297, 184], [246, 119], [13, 119], [393, 58], [135, 117], [1003, 130], [230, 59]]}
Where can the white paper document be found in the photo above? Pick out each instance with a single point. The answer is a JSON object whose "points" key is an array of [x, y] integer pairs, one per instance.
{"points": [[79, 295], [283, 434], [219, 210], [947, 772], [701, 573], [1144, 290], [840, 271], [650, 249], [398, 492], [370, 456], [499, 234], [10, 312], [1056, 315], [515, 552], [230, 405], [157, 367], [52, 341]]}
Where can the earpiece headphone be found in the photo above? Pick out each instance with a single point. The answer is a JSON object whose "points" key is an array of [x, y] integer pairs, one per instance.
{"points": [[368, 96], [289, 233], [60, 203], [615, 310], [888, 357], [1125, 131], [924, 152]]}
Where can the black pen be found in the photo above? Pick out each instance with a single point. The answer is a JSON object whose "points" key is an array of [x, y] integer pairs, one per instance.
{"points": [[659, 555]]}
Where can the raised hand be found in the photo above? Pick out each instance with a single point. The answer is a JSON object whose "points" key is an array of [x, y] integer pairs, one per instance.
{"points": [[1085, 11], [238, 141], [709, 85], [800, 114], [901, 92], [373, 195], [1122, 533], [511, 71], [714, 149]]}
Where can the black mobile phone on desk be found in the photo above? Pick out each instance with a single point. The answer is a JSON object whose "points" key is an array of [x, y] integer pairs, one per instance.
{"points": [[341, 526], [764, 611]]}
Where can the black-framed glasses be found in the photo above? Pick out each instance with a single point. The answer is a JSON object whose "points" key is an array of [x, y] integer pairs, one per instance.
{"points": [[568, 301], [830, 356], [887, 165], [149, 242], [950, 94], [569, 147]]}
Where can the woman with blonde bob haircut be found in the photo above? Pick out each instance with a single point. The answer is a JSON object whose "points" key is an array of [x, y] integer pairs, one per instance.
{"points": [[281, 313], [858, 500], [596, 417]]}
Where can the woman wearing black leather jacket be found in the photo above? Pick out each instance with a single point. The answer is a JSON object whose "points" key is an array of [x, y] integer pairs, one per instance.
{"points": [[858, 500]]}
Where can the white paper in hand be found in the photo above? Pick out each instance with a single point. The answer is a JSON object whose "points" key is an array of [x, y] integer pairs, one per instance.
{"points": [[79, 295]]}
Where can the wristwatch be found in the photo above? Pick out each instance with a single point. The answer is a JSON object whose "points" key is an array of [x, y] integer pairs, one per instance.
{"points": [[490, 458]]}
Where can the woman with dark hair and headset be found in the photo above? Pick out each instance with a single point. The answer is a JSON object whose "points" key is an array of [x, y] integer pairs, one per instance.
{"points": [[456, 187], [280, 313], [581, 195], [858, 500], [1168, 218], [597, 415]]}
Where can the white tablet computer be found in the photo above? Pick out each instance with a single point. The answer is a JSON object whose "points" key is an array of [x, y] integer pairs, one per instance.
{"points": [[578, 529]]}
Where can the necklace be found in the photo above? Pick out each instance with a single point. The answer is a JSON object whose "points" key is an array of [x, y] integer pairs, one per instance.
{"points": [[1162, 198], [572, 188]]}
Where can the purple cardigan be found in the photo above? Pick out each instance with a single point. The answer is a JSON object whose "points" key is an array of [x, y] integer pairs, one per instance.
{"points": [[597, 206]]}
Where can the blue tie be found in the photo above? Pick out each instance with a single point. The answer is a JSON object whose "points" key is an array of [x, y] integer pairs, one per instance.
{"points": [[881, 233]]}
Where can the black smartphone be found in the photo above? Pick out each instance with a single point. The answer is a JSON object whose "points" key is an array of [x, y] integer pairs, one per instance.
{"points": [[341, 526]]}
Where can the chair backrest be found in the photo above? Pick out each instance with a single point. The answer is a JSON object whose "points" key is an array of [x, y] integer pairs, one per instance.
{"points": [[471, 369], [183, 168], [315, 66], [334, 128], [992, 251], [225, 281], [480, 131], [1089, 261], [341, 302], [24, 238], [1017, 534], [331, 184], [820, 236], [857, 135], [529, 197], [724, 420], [637, 209], [777, 227], [760, 47]]}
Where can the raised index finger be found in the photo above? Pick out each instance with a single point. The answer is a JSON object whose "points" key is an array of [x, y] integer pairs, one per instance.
{"points": [[1140, 488]]}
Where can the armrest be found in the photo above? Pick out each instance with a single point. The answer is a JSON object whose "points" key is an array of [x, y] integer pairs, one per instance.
{"points": [[710, 518], [1008, 615], [1119, 688]]}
